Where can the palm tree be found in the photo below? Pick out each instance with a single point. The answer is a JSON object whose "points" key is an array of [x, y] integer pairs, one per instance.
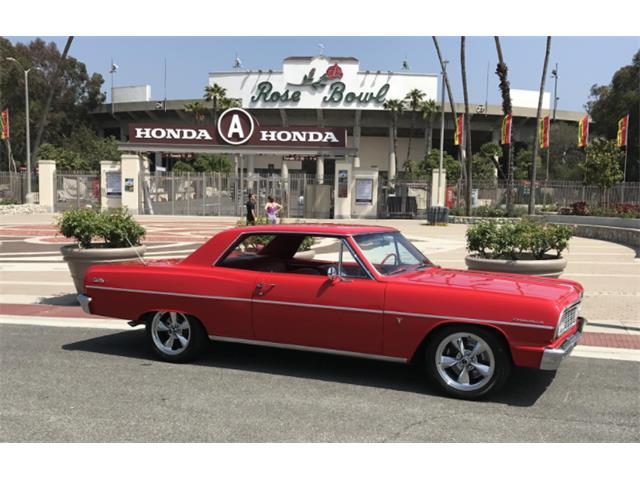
{"points": [[467, 129], [226, 103], [428, 110], [505, 90], [197, 109], [532, 195], [463, 168], [395, 107], [413, 100], [214, 93]]}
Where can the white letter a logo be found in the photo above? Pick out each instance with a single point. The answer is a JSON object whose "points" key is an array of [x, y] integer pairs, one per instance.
{"points": [[235, 127]]}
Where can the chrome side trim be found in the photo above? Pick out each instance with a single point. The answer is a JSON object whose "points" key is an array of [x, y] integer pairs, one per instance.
{"points": [[309, 349], [467, 319], [327, 307], [312, 305], [171, 294]]}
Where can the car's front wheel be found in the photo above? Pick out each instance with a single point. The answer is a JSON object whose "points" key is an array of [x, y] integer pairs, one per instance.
{"points": [[468, 361], [175, 337]]}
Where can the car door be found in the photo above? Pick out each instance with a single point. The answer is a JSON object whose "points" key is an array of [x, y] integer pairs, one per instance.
{"points": [[338, 313]]}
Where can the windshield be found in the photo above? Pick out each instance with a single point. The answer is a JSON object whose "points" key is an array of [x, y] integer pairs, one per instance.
{"points": [[390, 252]]}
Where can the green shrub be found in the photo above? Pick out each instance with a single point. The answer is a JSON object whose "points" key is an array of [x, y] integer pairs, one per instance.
{"points": [[116, 229], [8, 201], [490, 239]]}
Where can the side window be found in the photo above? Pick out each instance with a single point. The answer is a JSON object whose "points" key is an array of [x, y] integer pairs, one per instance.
{"points": [[252, 244], [334, 252]]}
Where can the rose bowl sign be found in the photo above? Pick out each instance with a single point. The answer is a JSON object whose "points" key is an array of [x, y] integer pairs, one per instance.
{"points": [[237, 127]]}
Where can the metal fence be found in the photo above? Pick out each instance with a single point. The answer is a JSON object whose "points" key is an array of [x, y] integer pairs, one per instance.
{"points": [[13, 186], [221, 194], [75, 190]]}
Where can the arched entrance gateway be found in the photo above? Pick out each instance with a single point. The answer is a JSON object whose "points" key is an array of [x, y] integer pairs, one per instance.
{"points": [[239, 134]]}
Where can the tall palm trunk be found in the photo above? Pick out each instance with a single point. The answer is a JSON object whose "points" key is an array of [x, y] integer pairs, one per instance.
{"points": [[463, 169], [532, 194], [428, 135], [467, 130], [505, 91], [413, 126], [54, 85], [215, 110]]}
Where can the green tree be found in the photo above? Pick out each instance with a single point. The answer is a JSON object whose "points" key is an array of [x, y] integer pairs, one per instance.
{"points": [[609, 103], [395, 108], [214, 93], [77, 93], [564, 155], [522, 164], [197, 109], [432, 161], [601, 166], [428, 110], [213, 163], [485, 164], [413, 101], [182, 166]]}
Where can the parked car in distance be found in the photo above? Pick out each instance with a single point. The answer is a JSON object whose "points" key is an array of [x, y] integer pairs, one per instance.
{"points": [[366, 292]]}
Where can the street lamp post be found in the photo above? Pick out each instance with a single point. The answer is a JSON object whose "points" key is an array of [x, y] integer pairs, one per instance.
{"points": [[554, 74], [440, 163], [26, 114]]}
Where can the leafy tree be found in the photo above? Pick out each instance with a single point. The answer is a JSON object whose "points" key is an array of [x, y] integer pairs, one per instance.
{"points": [[564, 155], [601, 167], [522, 164], [77, 93], [183, 166], [413, 101], [197, 109], [609, 103], [432, 161], [484, 163], [213, 163]]}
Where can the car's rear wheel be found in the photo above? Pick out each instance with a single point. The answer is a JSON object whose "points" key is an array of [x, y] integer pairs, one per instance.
{"points": [[468, 361], [175, 337]]}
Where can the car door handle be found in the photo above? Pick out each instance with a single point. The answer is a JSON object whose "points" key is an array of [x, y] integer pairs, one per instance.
{"points": [[260, 286]]}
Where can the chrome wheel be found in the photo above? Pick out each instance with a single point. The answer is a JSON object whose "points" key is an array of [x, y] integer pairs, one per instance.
{"points": [[170, 332], [465, 362]]}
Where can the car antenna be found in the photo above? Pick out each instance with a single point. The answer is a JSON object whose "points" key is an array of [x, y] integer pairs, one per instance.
{"points": [[135, 250]]}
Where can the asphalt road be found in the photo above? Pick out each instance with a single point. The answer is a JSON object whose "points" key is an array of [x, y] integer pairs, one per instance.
{"points": [[88, 385]]}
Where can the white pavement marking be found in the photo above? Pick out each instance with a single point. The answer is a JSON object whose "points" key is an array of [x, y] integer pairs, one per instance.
{"points": [[67, 322], [606, 353], [33, 267], [34, 282]]}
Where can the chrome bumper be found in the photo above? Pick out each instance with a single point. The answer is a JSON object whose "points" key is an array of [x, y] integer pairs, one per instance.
{"points": [[551, 357], [84, 302]]}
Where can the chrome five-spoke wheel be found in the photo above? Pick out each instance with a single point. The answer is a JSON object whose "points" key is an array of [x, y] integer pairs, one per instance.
{"points": [[468, 361], [175, 336]]}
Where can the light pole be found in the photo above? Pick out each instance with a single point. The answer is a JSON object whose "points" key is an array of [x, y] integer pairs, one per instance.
{"points": [[112, 70], [26, 114], [554, 74], [444, 72]]}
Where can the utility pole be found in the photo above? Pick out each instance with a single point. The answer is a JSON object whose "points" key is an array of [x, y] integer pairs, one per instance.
{"points": [[554, 74], [440, 163]]}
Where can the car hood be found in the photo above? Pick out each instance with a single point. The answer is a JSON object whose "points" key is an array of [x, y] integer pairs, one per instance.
{"points": [[499, 283]]}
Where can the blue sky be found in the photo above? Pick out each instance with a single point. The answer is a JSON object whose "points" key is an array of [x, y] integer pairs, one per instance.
{"points": [[583, 61]]}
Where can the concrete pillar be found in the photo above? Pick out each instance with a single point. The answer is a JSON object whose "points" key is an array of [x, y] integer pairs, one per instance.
{"points": [[47, 184], [438, 201], [110, 185], [157, 157], [284, 172], [131, 182], [392, 156], [342, 190], [356, 139], [320, 170], [251, 164]]}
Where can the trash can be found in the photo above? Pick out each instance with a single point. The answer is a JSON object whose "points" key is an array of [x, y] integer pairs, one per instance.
{"points": [[436, 215]]}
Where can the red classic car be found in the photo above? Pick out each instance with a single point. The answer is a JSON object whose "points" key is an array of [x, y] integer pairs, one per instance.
{"points": [[364, 291]]}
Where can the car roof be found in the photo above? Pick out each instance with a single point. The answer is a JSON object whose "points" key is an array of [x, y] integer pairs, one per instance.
{"points": [[317, 228]]}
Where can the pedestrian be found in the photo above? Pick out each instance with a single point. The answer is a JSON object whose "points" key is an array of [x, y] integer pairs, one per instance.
{"points": [[272, 208], [251, 210]]}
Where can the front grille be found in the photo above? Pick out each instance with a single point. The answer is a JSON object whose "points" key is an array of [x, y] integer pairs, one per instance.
{"points": [[568, 318]]}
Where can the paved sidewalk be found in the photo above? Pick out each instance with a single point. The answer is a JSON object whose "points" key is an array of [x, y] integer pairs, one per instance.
{"points": [[35, 281]]}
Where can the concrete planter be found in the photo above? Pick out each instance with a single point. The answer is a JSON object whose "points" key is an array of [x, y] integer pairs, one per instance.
{"points": [[306, 255], [79, 259], [549, 267]]}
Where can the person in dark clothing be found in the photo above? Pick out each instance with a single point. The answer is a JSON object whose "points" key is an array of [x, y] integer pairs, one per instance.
{"points": [[251, 210]]}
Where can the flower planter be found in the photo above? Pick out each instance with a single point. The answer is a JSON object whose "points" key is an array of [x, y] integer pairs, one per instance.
{"points": [[79, 259], [547, 267]]}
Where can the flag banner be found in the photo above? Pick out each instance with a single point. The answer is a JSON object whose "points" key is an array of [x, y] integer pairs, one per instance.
{"points": [[544, 132], [505, 133], [458, 136], [623, 131], [583, 131], [4, 124]]}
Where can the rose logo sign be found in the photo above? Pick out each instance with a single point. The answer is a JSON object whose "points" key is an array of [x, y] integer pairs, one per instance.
{"points": [[334, 72], [236, 126]]}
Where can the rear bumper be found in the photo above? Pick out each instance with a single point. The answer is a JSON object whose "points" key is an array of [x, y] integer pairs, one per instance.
{"points": [[84, 301], [552, 357]]}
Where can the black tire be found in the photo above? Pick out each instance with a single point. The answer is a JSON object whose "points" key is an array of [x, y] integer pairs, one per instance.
{"points": [[196, 339], [486, 372]]}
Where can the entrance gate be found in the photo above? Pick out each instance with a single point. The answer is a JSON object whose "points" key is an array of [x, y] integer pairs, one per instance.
{"points": [[76, 190]]}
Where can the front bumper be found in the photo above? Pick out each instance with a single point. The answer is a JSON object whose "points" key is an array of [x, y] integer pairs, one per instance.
{"points": [[84, 301], [551, 357]]}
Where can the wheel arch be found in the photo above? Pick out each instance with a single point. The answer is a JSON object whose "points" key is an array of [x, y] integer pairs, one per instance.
{"points": [[418, 354]]}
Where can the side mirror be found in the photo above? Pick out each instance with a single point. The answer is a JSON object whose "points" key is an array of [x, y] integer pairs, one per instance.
{"points": [[332, 274]]}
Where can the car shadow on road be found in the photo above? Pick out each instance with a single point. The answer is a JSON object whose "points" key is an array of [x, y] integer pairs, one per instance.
{"points": [[523, 389]]}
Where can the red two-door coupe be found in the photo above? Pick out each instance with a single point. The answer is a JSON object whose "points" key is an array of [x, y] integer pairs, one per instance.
{"points": [[361, 290]]}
